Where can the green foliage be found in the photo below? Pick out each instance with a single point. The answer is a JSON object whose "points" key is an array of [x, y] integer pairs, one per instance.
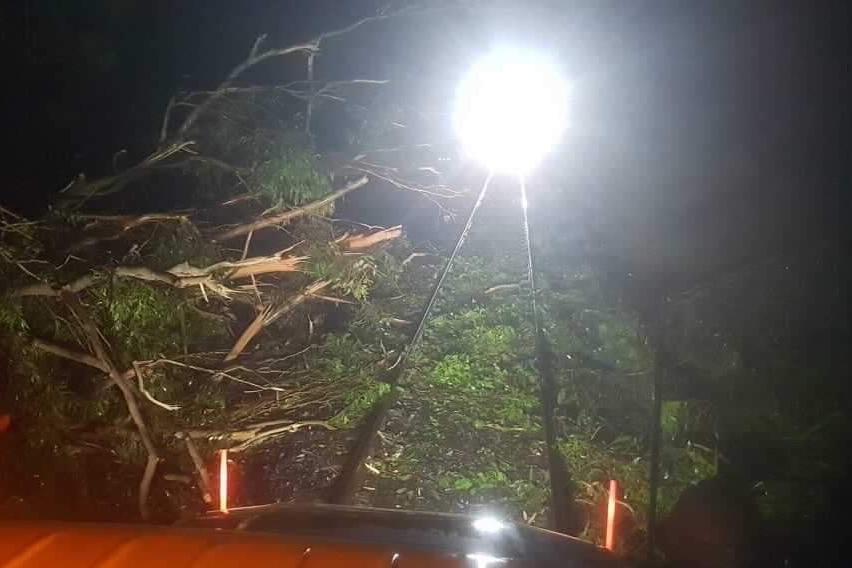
{"points": [[181, 243], [611, 338], [351, 275], [475, 435], [129, 449], [49, 400], [472, 275], [11, 315], [681, 467], [390, 272], [203, 400], [394, 300], [478, 482], [143, 321], [475, 431], [351, 372], [288, 173], [593, 463], [358, 403], [685, 420]]}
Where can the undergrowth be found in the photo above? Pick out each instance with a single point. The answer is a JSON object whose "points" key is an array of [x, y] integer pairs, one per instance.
{"points": [[143, 322], [290, 176]]}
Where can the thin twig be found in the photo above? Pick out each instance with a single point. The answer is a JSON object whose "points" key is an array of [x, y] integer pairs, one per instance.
{"points": [[333, 299], [253, 59], [501, 288], [141, 381], [257, 433], [246, 246], [164, 129]]}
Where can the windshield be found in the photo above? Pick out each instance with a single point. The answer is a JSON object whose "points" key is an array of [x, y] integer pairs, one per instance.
{"points": [[567, 266]]}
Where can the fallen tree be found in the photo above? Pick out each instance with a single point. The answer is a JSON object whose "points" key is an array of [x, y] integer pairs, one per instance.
{"points": [[114, 309], [66, 318]]}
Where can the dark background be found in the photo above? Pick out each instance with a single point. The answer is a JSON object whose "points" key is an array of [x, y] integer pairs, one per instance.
{"points": [[706, 131]]}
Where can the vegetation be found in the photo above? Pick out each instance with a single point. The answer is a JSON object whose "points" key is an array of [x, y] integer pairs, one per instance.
{"points": [[207, 298], [291, 176]]}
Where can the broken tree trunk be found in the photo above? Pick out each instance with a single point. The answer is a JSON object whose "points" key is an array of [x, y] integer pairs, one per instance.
{"points": [[269, 314]]}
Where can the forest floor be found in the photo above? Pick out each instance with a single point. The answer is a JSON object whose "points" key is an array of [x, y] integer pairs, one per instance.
{"points": [[297, 468]]}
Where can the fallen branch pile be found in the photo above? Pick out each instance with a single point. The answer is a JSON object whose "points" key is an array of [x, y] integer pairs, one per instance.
{"points": [[201, 318], [226, 280]]}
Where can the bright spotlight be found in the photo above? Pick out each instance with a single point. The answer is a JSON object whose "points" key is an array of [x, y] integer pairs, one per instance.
{"points": [[488, 525], [511, 109]]}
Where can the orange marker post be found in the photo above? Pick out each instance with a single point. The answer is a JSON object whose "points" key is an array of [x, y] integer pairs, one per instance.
{"points": [[5, 422], [610, 514], [223, 481]]}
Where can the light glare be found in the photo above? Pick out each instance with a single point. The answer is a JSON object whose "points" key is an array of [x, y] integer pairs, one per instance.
{"points": [[488, 525], [484, 560], [511, 110]]}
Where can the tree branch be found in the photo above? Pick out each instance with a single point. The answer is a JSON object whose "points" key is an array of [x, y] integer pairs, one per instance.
{"points": [[73, 287], [200, 468], [257, 433], [287, 216], [501, 288], [83, 189], [358, 243], [144, 273], [269, 315], [137, 370], [164, 128], [100, 350], [182, 276], [127, 222], [70, 354], [253, 59]]}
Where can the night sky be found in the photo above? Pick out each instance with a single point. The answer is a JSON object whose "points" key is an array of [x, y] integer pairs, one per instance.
{"points": [[706, 132]]}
